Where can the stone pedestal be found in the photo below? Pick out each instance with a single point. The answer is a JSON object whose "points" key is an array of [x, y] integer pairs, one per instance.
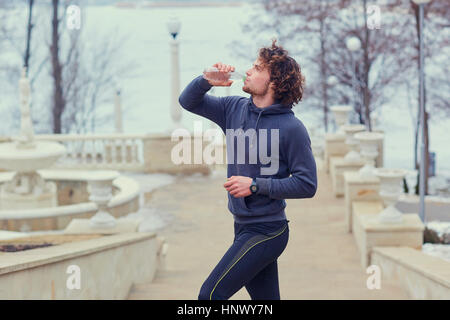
{"points": [[358, 189], [334, 146], [338, 166], [370, 233]]}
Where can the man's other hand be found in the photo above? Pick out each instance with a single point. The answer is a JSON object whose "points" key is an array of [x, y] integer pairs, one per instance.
{"points": [[238, 186]]}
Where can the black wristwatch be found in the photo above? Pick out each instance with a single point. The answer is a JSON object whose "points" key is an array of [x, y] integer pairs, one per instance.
{"points": [[254, 186]]}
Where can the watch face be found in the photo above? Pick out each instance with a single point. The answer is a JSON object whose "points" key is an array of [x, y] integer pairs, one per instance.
{"points": [[254, 188]]}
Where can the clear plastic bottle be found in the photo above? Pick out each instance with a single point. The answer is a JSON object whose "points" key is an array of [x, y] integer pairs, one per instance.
{"points": [[213, 74]]}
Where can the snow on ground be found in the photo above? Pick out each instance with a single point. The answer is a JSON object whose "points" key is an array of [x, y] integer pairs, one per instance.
{"points": [[440, 227], [437, 250], [150, 182], [151, 219], [7, 235]]}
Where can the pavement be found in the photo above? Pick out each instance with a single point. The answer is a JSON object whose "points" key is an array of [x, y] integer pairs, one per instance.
{"points": [[321, 260]]}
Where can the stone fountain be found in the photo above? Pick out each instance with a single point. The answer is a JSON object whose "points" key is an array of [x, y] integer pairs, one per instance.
{"points": [[25, 156]]}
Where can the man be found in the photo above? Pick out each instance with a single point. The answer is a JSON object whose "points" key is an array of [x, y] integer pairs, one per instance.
{"points": [[257, 189]]}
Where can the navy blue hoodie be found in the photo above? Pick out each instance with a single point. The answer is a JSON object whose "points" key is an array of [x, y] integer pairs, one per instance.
{"points": [[291, 171]]}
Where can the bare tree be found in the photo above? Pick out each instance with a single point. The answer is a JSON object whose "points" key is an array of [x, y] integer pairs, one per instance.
{"points": [[436, 47], [318, 16], [91, 80], [387, 58], [295, 24], [59, 102], [13, 41], [81, 69], [319, 30], [438, 12], [8, 38], [83, 77]]}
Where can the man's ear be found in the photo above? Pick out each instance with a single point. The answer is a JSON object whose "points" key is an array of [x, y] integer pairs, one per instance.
{"points": [[272, 87]]}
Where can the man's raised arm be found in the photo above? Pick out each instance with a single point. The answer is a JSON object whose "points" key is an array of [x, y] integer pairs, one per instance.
{"points": [[194, 97]]}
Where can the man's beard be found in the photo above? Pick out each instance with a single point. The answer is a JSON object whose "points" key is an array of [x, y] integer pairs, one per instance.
{"points": [[253, 92]]}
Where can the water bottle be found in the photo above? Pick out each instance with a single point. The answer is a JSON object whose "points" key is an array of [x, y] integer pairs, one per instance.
{"points": [[213, 74]]}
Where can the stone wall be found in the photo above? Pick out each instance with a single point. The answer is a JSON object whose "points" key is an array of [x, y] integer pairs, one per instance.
{"points": [[109, 266]]}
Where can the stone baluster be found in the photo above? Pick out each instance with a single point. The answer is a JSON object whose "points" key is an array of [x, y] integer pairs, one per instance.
{"points": [[100, 184]]}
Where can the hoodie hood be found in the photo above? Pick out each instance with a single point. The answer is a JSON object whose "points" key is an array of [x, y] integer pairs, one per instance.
{"points": [[276, 108]]}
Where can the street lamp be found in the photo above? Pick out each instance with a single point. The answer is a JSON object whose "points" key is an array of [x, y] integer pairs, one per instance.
{"points": [[173, 25], [332, 81], [354, 44], [421, 4]]}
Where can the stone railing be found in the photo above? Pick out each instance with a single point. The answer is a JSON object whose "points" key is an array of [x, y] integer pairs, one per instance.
{"points": [[100, 151], [147, 153], [113, 264]]}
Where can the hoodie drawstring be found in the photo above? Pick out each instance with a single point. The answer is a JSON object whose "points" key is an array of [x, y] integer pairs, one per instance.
{"points": [[256, 126], [259, 115], [243, 116]]}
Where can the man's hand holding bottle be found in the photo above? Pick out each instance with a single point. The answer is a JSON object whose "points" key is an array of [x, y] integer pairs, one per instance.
{"points": [[220, 76]]}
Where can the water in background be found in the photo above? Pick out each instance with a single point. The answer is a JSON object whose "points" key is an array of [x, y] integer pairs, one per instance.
{"points": [[203, 42], [205, 37]]}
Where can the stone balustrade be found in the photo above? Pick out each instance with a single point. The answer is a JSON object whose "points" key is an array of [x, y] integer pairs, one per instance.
{"points": [[100, 151], [147, 153]]}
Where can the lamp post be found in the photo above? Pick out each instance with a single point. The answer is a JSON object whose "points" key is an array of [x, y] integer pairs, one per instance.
{"points": [[118, 111], [117, 106], [173, 25], [421, 4], [354, 44]]}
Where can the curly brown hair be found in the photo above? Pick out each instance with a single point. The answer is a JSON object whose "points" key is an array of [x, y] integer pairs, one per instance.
{"points": [[285, 74]]}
